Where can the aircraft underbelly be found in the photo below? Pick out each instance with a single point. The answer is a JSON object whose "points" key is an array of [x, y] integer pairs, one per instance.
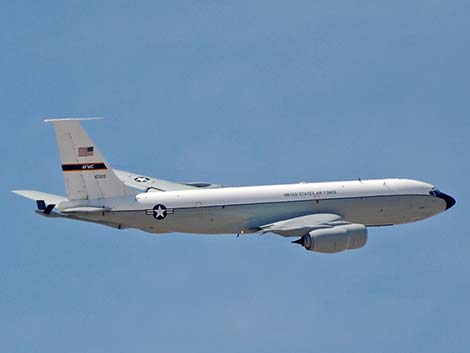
{"points": [[212, 220], [232, 219]]}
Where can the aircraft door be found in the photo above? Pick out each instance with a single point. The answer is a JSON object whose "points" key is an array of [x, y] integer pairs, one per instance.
{"points": [[199, 209], [316, 202]]}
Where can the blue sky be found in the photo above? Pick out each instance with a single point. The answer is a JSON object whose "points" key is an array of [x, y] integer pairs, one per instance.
{"points": [[237, 93]]}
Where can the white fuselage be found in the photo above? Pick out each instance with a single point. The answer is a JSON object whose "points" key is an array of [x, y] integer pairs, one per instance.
{"points": [[245, 209]]}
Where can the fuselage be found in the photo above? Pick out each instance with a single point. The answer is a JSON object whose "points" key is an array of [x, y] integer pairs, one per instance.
{"points": [[244, 209]]}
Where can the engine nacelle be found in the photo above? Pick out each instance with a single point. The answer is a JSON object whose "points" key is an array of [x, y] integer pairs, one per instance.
{"points": [[336, 239]]}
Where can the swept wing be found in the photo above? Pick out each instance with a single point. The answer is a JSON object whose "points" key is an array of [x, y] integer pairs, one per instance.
{"points": [[143, 182], [303, 225]]}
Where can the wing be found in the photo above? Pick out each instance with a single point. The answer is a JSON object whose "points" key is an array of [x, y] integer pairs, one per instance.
{"points": [[142, 182], [300, 226], [321, 232]]}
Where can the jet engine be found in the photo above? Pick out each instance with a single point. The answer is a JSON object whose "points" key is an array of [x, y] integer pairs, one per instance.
{"points": [[336, 239]]}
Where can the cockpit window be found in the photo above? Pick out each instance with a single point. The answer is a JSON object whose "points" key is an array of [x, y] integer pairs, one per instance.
{"points": [[434, 192]]}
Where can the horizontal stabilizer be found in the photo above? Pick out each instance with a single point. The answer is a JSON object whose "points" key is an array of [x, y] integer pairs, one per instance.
{"points": [[84, 209], [77, 217], [52, 120], [50, 214], [39, 195]]}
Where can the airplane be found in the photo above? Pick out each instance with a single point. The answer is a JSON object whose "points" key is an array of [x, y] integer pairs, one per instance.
{"points": [[326, 217]]}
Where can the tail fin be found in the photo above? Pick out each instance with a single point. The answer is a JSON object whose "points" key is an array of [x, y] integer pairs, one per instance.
{"points": [[87, 175]]}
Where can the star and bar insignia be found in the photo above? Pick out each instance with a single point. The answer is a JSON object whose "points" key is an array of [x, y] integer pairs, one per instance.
{"points": [[159, 211]]}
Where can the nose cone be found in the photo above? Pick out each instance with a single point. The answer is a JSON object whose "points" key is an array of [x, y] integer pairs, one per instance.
{"points": [[449, 200]]}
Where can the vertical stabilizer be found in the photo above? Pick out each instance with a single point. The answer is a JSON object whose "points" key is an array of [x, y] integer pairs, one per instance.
{"points": [[87, 174]]}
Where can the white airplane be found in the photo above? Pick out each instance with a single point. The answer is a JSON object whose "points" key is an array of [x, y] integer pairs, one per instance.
{"points": [[328, 217]]}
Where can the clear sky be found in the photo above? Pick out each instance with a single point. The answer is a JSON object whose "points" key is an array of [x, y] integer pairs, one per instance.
{"points": [[237, 93]]}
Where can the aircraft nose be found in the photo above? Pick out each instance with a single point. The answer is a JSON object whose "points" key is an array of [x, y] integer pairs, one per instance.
{"points": [[449, 200]]}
